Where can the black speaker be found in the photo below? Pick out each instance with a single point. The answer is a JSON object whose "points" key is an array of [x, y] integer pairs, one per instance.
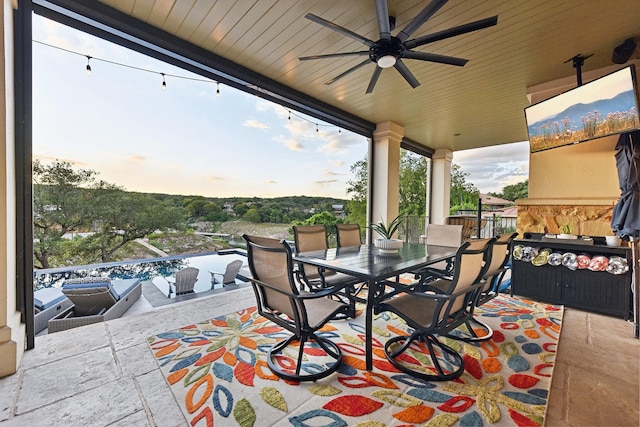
{"points": [[622, 53]]}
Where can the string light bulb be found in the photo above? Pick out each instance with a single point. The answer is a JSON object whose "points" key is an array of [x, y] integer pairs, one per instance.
{"points": [[317, 128], [217, 88], [289, 115], [164, 83], [339, 131], [88, 65]]}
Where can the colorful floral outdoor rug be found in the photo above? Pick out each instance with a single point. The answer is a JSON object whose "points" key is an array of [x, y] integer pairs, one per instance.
{"points": [[218, 374]]}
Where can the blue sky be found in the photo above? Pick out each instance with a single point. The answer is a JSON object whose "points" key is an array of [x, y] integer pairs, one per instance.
{"points": [[186, 140]]}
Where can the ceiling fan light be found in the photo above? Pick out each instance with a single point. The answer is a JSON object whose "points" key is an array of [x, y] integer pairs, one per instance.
{"points": [[386, 61]]}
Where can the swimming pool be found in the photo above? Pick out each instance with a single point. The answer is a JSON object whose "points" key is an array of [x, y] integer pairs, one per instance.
{"points": [[156, 270]]}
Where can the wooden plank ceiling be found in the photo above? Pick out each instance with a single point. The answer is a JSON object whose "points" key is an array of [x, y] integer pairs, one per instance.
{"points": [[480, 104]]}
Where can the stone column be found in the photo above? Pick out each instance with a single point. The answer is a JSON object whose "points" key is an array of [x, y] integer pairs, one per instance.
{"points": [[385, 168], [440, 185]]}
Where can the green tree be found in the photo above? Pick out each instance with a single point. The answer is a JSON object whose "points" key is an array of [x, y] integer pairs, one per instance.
{"points": [[463, 194], [514, 192], [413, 184], [126, 216], [240, 209], [252, 215], [62, 203], [325, 218], [357, 189]]}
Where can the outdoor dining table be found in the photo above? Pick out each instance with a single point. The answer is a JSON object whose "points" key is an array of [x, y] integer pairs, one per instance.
{"points": [[372, 266]]}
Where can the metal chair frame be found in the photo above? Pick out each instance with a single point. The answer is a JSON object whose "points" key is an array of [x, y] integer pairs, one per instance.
{"points": [[302, 313], [438, 310]]}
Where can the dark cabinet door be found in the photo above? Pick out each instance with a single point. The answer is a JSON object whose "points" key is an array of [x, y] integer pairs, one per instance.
{"points": [[542, 282], [597, 291]]}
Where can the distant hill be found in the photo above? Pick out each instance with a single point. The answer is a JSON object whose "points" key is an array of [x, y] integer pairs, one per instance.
{"points": [[619, 103]]}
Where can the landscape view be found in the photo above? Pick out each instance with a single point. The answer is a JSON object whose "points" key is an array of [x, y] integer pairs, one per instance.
{"points": [[601, 107]]}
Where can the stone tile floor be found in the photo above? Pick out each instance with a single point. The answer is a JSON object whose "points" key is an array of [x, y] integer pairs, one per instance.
{"points": [[104, 374]]}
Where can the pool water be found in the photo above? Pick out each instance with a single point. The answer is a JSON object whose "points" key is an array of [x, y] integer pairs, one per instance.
{"points": [[157, 270]]}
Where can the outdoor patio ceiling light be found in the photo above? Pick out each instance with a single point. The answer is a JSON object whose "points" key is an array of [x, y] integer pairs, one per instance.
{"points": [[386, 61]]}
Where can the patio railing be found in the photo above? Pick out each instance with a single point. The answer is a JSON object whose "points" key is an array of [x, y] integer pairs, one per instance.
{"points": [[414, 226]]}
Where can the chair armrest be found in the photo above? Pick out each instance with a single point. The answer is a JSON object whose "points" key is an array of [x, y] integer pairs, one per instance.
{"points": [[306, 295]]}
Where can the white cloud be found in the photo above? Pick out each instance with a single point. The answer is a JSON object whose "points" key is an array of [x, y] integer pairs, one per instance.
{"points": [[252, 123], [490, 169]]}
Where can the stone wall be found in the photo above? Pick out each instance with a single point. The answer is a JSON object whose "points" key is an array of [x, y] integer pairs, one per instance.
{"points": [[582, 220]]}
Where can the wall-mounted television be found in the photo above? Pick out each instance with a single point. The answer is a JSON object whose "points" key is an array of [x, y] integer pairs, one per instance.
{"points": [[605, 106]]}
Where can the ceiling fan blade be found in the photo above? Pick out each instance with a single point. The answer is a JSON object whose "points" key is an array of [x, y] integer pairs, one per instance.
{"points": [[383, 20], [420, 19], [334, 55], [408, 76], [350, 70], [432, 57], [374, 79], [339, 29], [451, 32]]}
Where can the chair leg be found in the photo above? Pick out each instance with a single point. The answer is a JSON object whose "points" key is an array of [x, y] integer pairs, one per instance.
{"points": [[304, 368], [453, 364], [472, 335]]}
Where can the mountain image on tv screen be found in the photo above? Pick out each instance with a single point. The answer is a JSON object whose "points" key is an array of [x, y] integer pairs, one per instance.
{"points": [[599, 108]]}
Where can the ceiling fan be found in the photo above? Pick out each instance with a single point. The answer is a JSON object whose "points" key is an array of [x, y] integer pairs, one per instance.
{"points": [[390, 50]]}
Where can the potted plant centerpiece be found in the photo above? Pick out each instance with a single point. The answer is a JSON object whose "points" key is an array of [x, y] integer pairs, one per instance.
{"points": [[387, 244]]}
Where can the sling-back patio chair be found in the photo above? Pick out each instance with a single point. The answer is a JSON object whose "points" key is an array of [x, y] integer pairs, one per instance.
{"points": [[313, 238], [348, 235], [498, 266], [280, 300], [440, 308]]}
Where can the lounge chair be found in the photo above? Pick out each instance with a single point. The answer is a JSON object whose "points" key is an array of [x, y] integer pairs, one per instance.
{"points": [[184, 281], [95, 299], [229, 275], [48, 302]]}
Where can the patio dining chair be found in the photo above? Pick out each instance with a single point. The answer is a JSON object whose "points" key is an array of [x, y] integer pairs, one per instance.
{"points": [[228, 277], [313, 238], [184, 281], [498, 266], [348, 235], [440, 235], [300, 312], [439, 309]]}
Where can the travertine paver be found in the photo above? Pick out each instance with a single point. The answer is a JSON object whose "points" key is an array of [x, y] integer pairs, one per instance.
{"points": [[71, 376], [159, 399], [100, 406], [105, 375], [67, 343]]}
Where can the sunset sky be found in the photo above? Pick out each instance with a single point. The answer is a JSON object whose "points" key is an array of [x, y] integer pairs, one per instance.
{"points": [[186, 140]]}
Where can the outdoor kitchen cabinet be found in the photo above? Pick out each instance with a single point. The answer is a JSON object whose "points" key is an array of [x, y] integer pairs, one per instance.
{"points": [[597, 291]]}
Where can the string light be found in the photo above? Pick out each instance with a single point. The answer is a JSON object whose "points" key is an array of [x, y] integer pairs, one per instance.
{"points": [[317, 125], [164, 82]]}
